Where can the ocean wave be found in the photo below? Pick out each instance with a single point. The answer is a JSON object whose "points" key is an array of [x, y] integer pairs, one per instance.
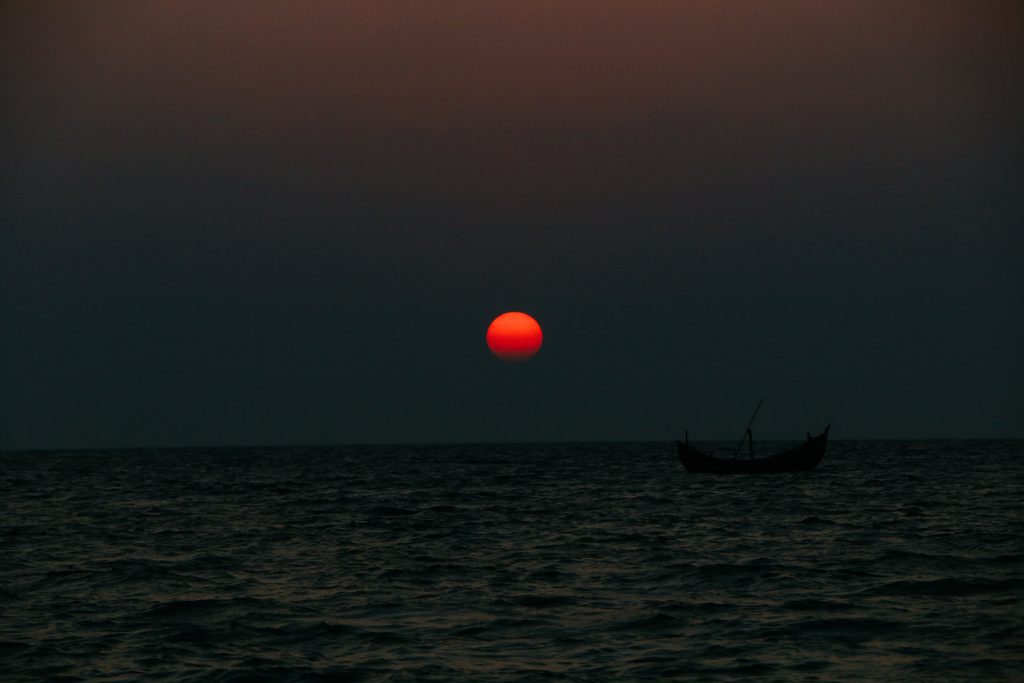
{"points": [[575, 562], [953, 587]]}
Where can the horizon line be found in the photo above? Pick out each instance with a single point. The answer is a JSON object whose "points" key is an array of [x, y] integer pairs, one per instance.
{"points": [[51, 449]]}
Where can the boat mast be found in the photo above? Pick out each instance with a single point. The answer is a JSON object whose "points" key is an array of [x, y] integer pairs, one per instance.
{"points": [[748, 434]]}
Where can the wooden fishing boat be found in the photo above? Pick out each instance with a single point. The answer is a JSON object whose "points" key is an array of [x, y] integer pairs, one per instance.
{"points": [[805, 456]]}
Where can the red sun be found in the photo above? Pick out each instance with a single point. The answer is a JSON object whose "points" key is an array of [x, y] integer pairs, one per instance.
{"points": [[514, 337]]}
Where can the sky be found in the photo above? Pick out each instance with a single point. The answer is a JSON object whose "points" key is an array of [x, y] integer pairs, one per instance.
{"points": [[242, 223]]}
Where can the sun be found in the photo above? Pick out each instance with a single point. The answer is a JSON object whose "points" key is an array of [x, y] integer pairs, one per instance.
{"points": [[514, 337]]}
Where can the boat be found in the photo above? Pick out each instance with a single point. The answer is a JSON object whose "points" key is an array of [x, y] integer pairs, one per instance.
{"points": [[805, 456]]}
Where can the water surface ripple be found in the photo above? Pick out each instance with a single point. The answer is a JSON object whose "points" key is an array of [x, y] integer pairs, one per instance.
{"points": [[891, 561]]}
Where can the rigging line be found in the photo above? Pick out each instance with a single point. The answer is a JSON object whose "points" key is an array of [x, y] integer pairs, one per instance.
{"points": [[749, 425]]}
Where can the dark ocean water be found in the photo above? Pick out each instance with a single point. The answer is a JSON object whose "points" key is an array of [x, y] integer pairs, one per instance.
{"points": [[891, 561]]}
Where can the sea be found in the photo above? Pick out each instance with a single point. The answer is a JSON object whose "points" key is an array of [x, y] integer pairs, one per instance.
{"points": [[893, 560]]}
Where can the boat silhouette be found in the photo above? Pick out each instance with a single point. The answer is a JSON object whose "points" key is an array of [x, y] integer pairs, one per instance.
{"points": [[805, 456]]}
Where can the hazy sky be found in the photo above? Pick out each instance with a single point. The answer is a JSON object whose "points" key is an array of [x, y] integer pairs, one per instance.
{"points": [[282, 223]]}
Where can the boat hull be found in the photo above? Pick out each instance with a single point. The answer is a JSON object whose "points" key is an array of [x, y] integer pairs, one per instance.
{"points": [[806, 456]]}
